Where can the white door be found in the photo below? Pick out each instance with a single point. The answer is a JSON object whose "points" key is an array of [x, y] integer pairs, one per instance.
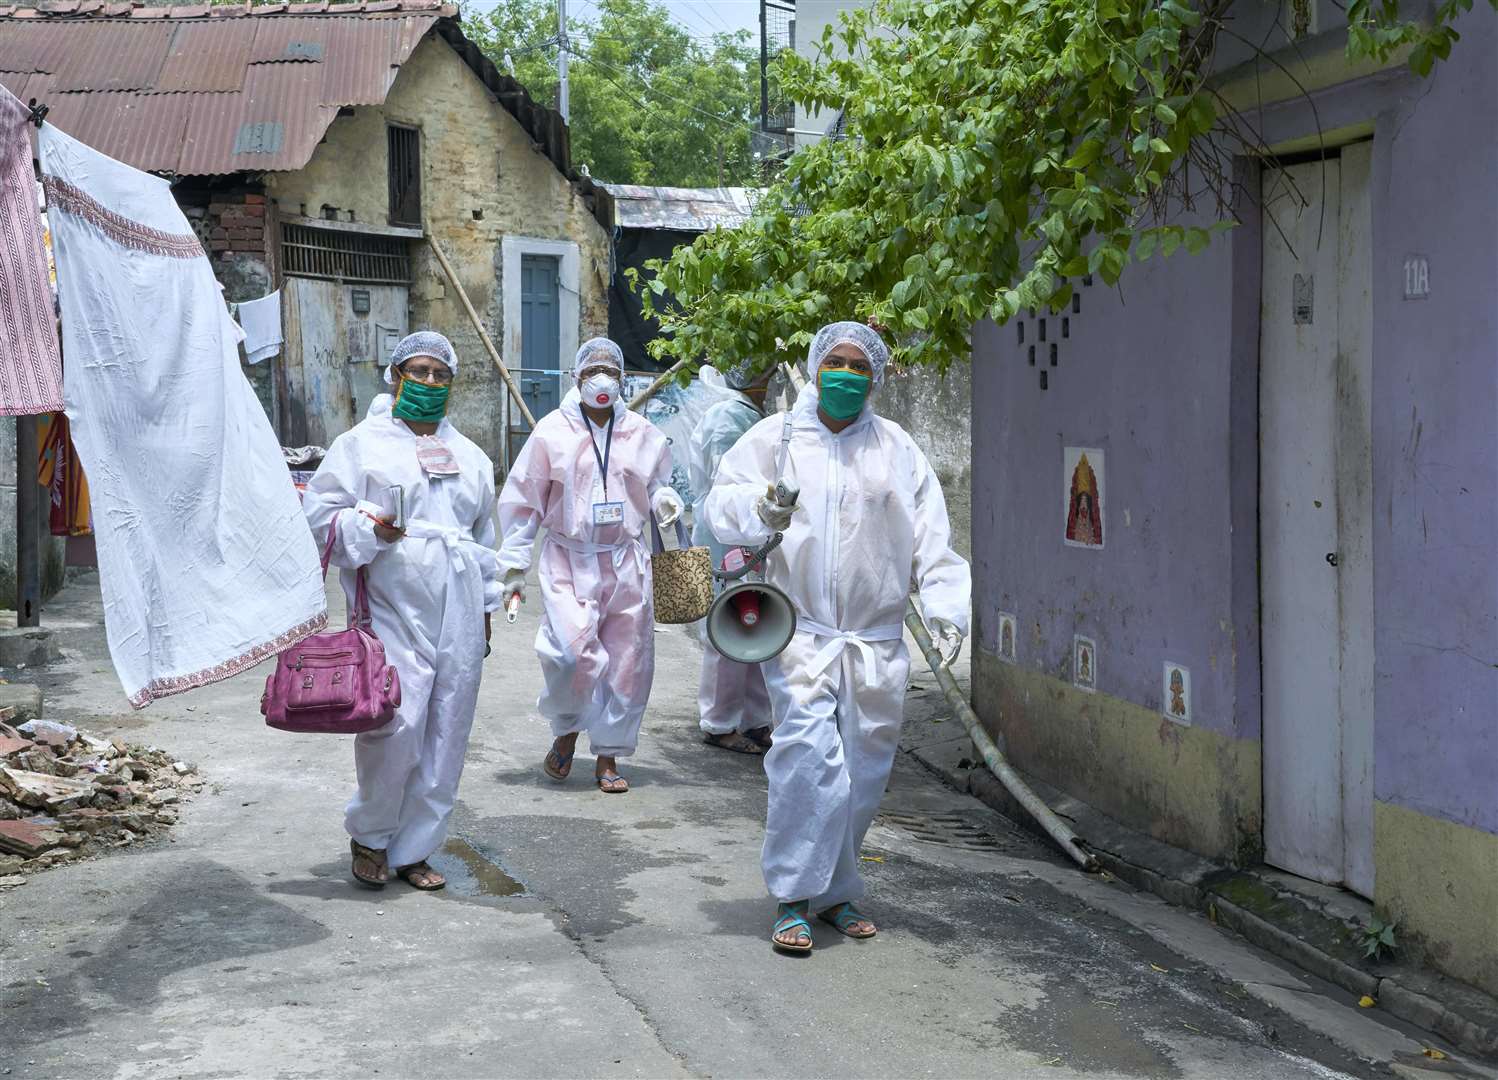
{"points": [[1315, 481]]}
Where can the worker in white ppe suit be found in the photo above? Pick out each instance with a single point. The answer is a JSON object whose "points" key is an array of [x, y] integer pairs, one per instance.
{"points": [[590, 474], [870, 519], [732, 702], [431, 585]]}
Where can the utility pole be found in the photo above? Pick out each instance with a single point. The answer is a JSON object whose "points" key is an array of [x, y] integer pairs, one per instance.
{"points": [[563, 106], [764, 63]]}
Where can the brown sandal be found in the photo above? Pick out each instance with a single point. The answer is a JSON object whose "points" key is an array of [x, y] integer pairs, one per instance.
{"points": [[431, 881], [739, 744], [369, 855]]}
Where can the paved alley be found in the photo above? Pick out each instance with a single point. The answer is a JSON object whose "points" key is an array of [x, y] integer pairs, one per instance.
{"points": [[590, 935]]}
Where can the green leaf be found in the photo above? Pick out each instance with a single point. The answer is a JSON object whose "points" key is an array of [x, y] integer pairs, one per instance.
{"points": [[1159, 146], [1164, 113], [1086, 154]]}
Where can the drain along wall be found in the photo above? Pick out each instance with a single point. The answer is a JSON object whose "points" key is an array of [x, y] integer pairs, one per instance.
{"points": [[1163, 377]]}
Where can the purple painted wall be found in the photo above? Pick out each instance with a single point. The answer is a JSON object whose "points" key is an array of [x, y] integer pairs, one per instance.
{"points": [[1164, 377], [1150, 377], [1435, 440]]}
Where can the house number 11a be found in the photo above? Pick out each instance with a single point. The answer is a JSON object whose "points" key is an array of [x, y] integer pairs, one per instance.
{"points": [[1416, 277]]}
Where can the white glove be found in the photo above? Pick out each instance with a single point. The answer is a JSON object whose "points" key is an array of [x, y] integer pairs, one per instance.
{"points": [[667, 506], [948, 640], [773, 514], [513, 586]]}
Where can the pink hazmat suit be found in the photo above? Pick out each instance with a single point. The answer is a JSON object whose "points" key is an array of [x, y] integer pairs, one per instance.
{"points": [[596, 643]]}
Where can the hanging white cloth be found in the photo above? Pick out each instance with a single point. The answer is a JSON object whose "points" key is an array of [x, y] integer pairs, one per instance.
{"points": [[206, 564], [261, 320]]}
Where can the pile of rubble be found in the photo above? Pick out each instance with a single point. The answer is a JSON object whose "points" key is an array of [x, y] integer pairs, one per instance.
{"points": [[65, 794]]}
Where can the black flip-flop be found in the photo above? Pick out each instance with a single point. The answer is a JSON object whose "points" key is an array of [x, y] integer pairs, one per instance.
{"points": [[744, 744]]}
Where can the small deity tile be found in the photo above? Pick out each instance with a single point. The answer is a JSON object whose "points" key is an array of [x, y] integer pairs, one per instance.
{"points": [[1084, 663], [1175, 692]]}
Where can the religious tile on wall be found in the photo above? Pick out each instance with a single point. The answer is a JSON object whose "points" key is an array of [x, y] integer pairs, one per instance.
{"points": [[1084, 494], [1008, 637], [1084, 663], [1176, 692]]}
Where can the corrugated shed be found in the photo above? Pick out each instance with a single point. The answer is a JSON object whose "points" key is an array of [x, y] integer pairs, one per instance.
{"points": [[215, 90], [200, 91], [680, 209]]}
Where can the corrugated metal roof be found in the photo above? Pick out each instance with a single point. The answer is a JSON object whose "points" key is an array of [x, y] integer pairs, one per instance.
{"points": [[214, 90], [111, 55], [205, 57], [680, 209], [202, 92]]}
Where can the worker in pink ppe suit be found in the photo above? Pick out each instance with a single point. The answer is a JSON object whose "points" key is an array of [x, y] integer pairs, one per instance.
{"points": [[591, 473]]}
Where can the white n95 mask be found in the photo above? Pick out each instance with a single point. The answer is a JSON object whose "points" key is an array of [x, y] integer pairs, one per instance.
{"points": [[600, 391]]}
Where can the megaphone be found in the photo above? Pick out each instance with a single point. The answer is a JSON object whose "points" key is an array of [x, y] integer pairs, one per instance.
{"points": [[751, 622]]}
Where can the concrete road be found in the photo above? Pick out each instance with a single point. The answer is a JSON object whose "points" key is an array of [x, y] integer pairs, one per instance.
{"points": [[594, 935]]}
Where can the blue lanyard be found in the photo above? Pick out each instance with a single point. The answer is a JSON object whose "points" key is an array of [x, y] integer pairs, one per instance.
{"points": [[608, 446]]}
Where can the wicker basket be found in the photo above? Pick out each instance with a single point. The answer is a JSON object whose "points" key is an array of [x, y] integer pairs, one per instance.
{"points": [[682, 578]]}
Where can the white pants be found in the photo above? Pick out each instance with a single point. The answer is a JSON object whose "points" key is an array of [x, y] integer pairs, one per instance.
{"points": [[731, 696], [409, 769], [836, 734]]}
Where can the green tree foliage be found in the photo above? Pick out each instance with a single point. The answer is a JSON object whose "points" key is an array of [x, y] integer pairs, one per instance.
{"points": [[650, 104], [997, 151]]}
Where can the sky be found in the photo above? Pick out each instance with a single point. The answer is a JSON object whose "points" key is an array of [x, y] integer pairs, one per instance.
{"points": [[701, 18]]}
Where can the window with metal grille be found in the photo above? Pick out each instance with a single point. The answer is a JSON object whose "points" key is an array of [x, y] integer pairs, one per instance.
{"points": [[405, 174], [340, 255]]}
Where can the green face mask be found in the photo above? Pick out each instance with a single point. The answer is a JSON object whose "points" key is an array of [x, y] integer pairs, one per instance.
{"points": [[842, 393], [420, 402]]}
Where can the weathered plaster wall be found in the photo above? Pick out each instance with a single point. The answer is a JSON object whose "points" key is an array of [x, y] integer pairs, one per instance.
{"points": [[1156, 384], [1435, 441], [937, 411], [481, 181], [1164, 379]]}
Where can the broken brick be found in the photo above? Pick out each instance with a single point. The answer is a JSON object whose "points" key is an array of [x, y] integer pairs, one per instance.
{"points": [[28, 837]]}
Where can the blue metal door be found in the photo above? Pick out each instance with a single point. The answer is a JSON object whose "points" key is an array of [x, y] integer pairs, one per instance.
{"points": [[540, 343]]}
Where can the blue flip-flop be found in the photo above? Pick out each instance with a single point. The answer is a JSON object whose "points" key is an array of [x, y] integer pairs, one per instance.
{"points": [[563, 765], [788, 917]]}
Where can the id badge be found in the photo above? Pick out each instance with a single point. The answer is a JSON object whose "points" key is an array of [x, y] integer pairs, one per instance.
{"points": [[608, 513]]}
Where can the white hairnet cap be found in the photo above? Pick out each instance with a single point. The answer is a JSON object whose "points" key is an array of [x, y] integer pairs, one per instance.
{"points": [[599, 350], [863, 337], [422, 343], [741, 375]]}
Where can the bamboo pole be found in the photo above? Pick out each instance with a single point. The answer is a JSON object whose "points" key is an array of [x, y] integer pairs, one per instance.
{"points": [[473, 317]]}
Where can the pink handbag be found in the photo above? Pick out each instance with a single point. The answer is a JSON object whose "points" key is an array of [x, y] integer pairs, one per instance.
{"points": [[337, 683]]}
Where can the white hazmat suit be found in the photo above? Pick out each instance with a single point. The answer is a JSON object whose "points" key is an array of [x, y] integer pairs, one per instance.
{"points": [[596, 643], [428, 594], [871, 520], [731, 697]]}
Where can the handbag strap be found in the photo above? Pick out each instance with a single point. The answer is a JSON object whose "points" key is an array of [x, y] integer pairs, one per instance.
{"points": [[658, 545], [359, 616]]}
